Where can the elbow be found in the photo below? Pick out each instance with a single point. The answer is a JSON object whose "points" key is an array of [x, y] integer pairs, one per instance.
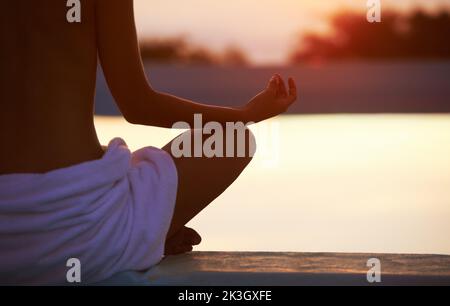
{"points": [[131, 112], [132, 118], [138, 109], [137, 116], [148, 119]]}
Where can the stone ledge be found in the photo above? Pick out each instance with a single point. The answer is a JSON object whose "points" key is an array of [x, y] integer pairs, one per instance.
{"points": [[293, 269]]}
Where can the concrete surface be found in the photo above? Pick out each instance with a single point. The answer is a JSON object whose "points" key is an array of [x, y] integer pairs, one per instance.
{"points": [[276, 269]]}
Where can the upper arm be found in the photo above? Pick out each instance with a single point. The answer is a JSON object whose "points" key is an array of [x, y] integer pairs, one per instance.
{"points": [[119, 52]]}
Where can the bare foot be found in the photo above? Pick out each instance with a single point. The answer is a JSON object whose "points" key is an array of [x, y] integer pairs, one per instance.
{"points": [[182, 242]]}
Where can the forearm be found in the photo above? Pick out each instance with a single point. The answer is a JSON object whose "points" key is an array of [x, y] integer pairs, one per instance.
{"points": [[118, 51], [164, 110]]}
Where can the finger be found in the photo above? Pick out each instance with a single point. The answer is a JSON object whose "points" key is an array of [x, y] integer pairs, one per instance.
{"points": [[292, 92], [281, 87], [273, 84], [292, 88]]}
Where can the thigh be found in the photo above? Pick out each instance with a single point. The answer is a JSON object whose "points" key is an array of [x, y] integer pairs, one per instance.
{"points": [[202, 179]]}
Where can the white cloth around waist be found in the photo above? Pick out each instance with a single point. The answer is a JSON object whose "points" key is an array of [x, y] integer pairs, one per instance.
{"points": [[113, 214]]}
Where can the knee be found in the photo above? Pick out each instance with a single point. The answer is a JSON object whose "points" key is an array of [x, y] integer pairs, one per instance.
{"points": [[239, 142], [236, 142], [244, 143], [250, 143]]}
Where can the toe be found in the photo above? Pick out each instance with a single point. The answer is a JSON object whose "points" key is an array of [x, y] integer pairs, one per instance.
{"points": [[191, 236]]}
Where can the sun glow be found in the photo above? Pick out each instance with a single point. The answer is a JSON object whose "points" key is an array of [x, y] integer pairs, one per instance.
{"points": [[265, 29]]}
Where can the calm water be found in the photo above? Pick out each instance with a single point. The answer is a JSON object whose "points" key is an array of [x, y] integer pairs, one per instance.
{"points": [[336, 183], [346, 87]]}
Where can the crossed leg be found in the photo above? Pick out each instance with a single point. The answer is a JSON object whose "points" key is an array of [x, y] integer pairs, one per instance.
{"points": [[200, 181]]}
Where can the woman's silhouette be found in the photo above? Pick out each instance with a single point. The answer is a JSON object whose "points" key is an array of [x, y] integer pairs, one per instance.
{"points": [[48, 75]]}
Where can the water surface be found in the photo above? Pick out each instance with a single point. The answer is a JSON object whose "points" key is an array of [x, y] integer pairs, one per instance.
{"points": [[338, 183]]}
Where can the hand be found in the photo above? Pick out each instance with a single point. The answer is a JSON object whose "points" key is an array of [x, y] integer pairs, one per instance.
{"points": [[272, 101]]}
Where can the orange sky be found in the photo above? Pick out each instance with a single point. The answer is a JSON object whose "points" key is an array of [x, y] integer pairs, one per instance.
{"points": [[265, 29]]}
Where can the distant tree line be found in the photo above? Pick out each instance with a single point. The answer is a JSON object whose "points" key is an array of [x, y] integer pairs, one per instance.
{"points": [[179, 51], [418, 35]]}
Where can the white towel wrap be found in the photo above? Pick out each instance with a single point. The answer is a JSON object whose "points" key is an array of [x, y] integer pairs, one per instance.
{"points": [[112, 214]]}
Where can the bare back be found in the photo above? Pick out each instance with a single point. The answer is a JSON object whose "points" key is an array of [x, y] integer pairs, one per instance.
{"points": [[47, 84]]}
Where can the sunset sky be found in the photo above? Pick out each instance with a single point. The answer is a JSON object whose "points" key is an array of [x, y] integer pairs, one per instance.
{"points": [[265, 29]]}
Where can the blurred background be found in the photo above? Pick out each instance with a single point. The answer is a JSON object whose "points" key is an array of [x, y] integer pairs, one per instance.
{"points": [[360, 164], [223, 52]]}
